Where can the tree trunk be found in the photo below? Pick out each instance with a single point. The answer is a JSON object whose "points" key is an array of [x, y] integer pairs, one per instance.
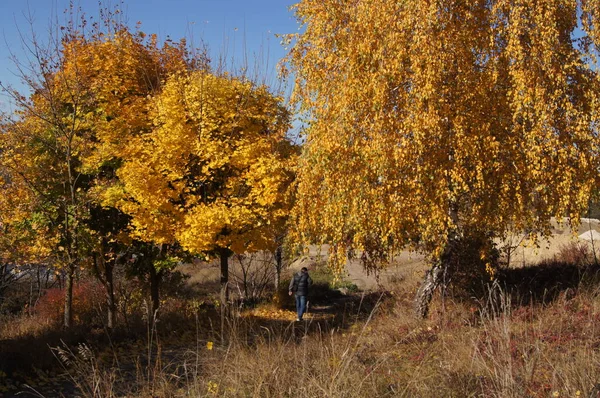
{"points": [[4, 282], [435, 276], [278, 266], [224, 256], [105, 274], [432, 280], [68, 320], [110, 295], [154, 290]]}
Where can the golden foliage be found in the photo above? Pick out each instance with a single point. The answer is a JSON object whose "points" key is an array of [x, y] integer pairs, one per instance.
{"points": [[213, 170], [121, 122], [60, 150], [424, 111]]}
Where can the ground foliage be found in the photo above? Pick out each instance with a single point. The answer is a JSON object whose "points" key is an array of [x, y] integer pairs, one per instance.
{"points": [[351, 346]]}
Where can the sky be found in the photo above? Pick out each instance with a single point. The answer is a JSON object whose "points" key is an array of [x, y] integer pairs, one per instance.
{"points": [[228, 27]]}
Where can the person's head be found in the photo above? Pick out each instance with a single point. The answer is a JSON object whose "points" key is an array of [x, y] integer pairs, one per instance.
{"points": [[304, 269]]}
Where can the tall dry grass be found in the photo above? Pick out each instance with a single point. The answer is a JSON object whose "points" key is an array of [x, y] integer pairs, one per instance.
{"points": [[498, 350], [506, 344]]}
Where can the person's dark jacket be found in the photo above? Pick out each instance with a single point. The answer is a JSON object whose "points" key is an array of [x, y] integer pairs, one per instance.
{"points": [[300, 283]]}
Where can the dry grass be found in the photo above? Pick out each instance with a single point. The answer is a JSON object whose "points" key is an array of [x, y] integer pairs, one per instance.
{"points": [[18, 326], [504, 345], [501, 351]]}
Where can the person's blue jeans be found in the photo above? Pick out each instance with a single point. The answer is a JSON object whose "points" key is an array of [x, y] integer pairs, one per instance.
{"points": [[300, 305]]}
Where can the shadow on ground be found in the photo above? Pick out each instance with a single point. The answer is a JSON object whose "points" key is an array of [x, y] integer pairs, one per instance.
{"points": [[336, 312], [545, 282], [28, 366]]}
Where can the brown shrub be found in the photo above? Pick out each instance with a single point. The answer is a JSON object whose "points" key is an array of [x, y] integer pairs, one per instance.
{"points": [[575, 253]]}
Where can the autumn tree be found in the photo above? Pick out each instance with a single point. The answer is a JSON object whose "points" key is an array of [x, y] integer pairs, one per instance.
{"points": [[436, 125], [135, 151], [121, 69], [39, 152], [213, 172], [90, 90], [25, 238]]}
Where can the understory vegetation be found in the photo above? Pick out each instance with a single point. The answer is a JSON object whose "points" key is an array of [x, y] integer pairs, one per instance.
{"points": [[520, 339]]}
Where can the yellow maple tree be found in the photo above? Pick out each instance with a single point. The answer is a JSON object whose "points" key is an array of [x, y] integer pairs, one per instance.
{"points": [[40, 149], [212, 175], [434, 122]]}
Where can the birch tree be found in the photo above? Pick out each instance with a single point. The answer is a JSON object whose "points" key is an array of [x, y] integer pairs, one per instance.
{"points": [[434, 125]]}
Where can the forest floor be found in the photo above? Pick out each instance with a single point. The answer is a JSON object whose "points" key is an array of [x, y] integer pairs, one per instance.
{"points": [[359, 340]]}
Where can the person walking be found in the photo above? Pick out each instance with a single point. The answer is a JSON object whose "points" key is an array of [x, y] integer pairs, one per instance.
{"points": [[299, 285]]}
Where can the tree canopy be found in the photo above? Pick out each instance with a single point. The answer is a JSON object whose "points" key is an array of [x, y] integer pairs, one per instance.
{"points": [[428, 119], [214, 169]]}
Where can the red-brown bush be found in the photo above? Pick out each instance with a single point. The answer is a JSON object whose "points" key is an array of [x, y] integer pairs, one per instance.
{"points": [[88, 303]]}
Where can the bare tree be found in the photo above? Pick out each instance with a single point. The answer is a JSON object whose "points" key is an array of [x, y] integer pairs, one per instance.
{"points": [[253, 274]]}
